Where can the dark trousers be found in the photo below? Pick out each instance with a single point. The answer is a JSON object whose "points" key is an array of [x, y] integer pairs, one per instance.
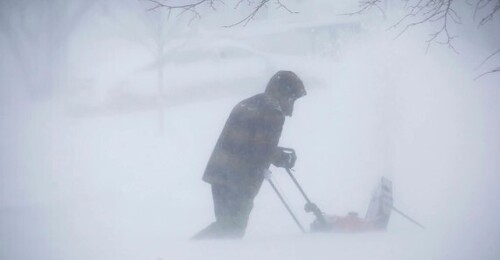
{"points": [[232, 207]]}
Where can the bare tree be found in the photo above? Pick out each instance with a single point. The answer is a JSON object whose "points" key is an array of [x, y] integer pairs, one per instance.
{"points": [[497, 69], [38, 34], [153, 32], [193, 7], [445, 13], [442, 12]]}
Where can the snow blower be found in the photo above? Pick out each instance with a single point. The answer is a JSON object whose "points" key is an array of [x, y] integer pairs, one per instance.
{"points": [[376, 218]]}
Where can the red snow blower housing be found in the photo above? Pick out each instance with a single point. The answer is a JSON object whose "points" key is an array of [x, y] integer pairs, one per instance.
{"points": [[376, 217]]}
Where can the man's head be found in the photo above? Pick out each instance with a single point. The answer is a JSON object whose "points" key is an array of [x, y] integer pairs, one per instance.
{"points": [[286, 87]]}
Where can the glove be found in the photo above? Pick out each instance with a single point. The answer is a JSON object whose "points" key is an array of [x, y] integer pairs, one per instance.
{"points": [[267, 174], [284, 157]]}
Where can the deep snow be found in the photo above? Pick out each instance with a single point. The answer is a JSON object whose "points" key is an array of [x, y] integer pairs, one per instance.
{"points": [[111, 187]]}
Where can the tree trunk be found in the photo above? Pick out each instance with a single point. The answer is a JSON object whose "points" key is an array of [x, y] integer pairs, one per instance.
{"points": [[161, 114]]}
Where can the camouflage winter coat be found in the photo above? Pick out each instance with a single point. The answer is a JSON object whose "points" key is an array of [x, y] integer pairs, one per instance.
{"points": [[247, 143]]}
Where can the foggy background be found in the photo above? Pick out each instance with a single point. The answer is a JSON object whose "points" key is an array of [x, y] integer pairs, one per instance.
{"points": [[109, 112]]}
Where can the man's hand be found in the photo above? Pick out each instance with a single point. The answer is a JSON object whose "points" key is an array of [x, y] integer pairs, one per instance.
{"points": [[284, 157], [267, 174]]}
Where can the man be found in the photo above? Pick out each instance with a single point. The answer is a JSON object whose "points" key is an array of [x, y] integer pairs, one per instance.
{"points": [[246, 148]]}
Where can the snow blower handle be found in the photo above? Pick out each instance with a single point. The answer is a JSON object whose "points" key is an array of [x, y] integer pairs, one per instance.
{"points": [[310, 206], [289, 171], [286, 205], [285, 157]]}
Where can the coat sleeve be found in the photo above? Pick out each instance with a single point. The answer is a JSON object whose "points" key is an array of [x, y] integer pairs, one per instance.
{"points": [[267, 132]]}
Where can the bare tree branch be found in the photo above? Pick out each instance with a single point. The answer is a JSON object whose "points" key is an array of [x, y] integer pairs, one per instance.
{"points": [[249, 17], [481, 5], [183, 8], [186, 6], [366, 5], [192, 8], [444, 15], [259, 6], [490, 15], [488, 72], [487, 58], [281, 5], [420, 12]]}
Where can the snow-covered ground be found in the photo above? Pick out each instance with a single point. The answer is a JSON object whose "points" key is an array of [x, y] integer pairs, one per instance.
{"points": [[113, 187]]}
